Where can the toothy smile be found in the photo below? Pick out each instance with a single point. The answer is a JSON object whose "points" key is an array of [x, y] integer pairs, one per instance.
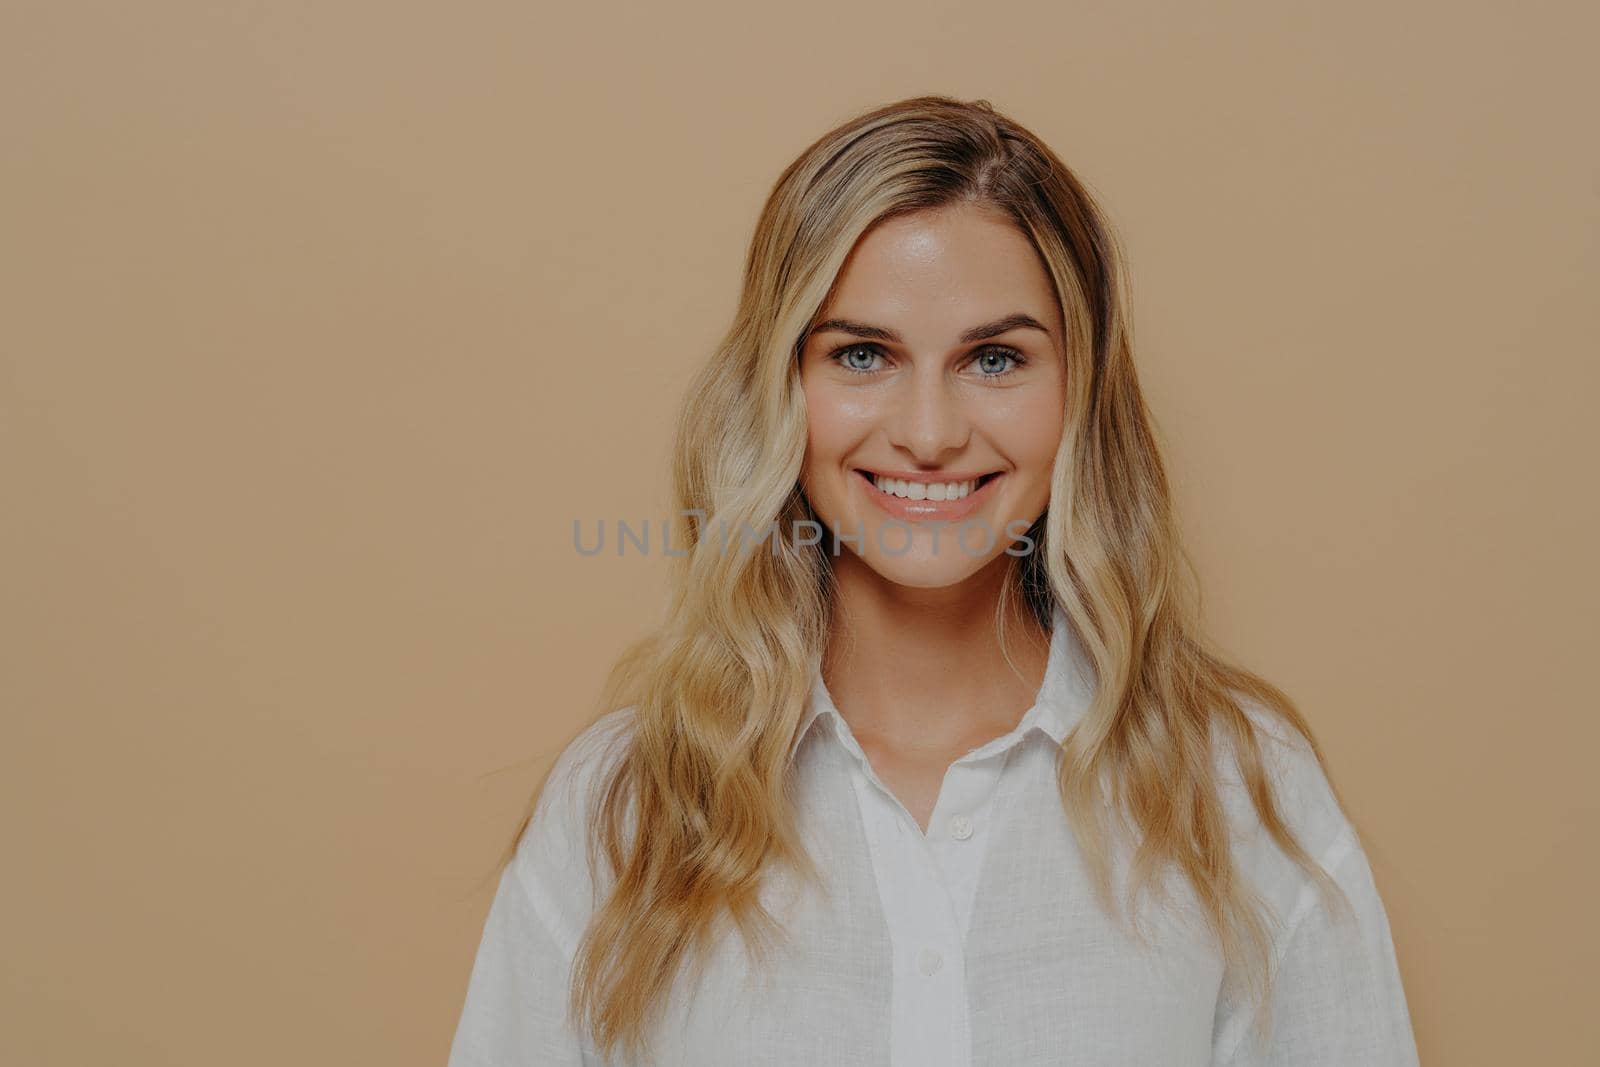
{"points": [[923, 488]]}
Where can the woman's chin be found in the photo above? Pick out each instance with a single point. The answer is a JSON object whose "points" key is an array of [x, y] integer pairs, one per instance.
{"points": [[916, 571]]}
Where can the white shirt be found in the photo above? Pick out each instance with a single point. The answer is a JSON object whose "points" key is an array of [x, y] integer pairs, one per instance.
{"points": [[979, 944]]}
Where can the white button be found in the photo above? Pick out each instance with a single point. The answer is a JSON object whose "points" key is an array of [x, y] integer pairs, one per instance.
{"points": [[960, 827], [929, 960]]}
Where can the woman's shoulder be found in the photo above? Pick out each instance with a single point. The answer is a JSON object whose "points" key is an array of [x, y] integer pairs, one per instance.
{"points": [[582, 765], [1299, 782], [554, 859]]}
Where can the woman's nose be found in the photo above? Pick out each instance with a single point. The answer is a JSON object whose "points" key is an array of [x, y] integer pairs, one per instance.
{"points": [[927, 419]]}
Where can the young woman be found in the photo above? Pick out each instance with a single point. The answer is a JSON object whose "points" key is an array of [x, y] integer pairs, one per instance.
{"points": [[929, 764]]}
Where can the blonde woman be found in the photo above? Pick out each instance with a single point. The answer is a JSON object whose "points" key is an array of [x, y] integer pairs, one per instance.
{"points": [[929, 764]]}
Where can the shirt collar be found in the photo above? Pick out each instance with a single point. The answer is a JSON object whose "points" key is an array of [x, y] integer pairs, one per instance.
{"points": [[1062, 699]]}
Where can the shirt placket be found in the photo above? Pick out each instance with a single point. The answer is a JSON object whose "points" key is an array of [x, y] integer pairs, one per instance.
{"points": [[961, 827], [926, 885]]}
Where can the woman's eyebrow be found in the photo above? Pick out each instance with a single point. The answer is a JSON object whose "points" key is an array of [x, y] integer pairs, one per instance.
{"points": [[977, 333]]}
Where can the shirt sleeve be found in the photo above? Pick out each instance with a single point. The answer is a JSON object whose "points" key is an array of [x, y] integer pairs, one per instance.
{"points": [[1337, 996], [515, 1014], [515, 1010]]}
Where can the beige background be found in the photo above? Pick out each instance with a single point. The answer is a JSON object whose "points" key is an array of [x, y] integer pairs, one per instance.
{"points": [[322, 322]]}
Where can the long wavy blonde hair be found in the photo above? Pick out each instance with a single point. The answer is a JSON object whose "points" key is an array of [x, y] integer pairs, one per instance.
{"points": [[697, 808]]}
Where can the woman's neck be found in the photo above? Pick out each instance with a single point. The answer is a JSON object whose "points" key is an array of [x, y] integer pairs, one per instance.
{"points": [[923, 670]]}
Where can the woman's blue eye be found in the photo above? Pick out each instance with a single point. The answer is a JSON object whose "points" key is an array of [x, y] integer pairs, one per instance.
{"points": [[847, 357], [1001, 354]]}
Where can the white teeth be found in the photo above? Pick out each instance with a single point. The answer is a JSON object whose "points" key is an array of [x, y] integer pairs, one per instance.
{"points": [[938, 491]]}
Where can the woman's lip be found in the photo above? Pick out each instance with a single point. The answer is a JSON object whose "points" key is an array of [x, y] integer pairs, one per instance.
{"points": [[908, 510]]}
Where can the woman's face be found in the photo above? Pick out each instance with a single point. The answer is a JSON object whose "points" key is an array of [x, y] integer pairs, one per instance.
{"points": [[934, 393]]}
